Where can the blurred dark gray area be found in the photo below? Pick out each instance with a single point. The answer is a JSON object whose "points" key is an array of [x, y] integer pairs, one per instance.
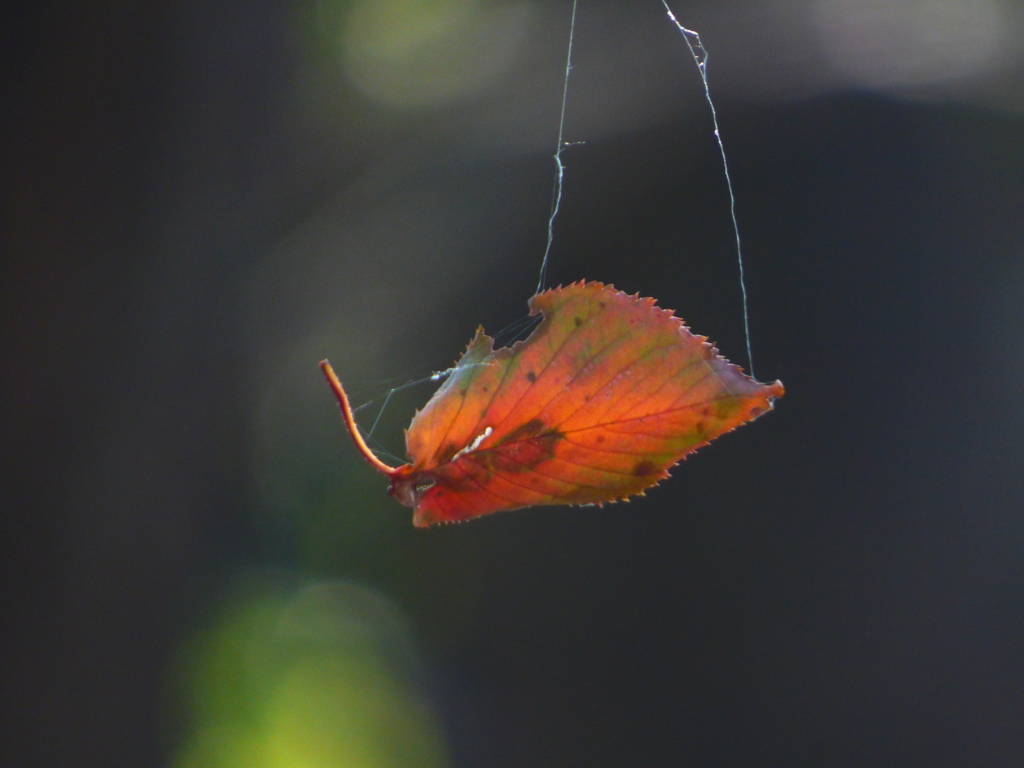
{"points": [[202, 200]]}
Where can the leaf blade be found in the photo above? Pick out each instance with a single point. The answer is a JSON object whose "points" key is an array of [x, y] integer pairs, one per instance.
{"points": [[603, 398]]}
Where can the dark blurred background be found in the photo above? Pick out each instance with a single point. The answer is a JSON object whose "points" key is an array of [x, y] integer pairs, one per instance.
{"points": [[202, 200]]}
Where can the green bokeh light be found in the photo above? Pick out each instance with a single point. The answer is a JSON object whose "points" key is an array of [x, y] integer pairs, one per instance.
{"points": [[295, 674], [415, 53]]}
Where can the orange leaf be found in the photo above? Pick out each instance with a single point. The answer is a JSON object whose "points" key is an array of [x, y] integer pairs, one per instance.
{"points": [[606, 394]]}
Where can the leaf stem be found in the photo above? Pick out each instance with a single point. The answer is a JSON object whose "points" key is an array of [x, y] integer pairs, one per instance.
{"points": [[350, 421]]}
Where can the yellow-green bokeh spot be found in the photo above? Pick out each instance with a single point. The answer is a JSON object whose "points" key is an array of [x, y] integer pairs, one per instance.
{"points": [[305, 675], [412, 53]]}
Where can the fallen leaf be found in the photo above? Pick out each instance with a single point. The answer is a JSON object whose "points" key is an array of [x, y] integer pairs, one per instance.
{"points": [[602, 399]]}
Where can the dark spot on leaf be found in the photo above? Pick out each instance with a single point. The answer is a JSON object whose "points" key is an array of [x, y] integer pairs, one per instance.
{"points": [[523, 431], [578, 321], [645, 468], [531, 376], [446, 454], [522, 449], [727, 408], [599, 439]]}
